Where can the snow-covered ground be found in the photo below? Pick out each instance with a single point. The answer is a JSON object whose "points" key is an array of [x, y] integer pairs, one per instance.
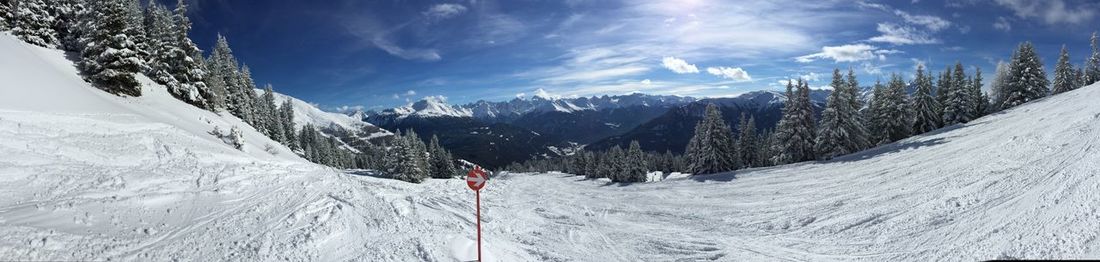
{"points": [[89, 176]]}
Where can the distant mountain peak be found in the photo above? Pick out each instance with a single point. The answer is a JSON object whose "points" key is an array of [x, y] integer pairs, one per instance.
{"points": [[541, 101]]}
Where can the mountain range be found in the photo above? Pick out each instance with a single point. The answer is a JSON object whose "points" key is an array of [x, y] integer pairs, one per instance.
{"points": [[498, 133]]}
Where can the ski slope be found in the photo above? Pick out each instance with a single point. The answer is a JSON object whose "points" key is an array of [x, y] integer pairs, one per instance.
{"points": [[86, 175]]}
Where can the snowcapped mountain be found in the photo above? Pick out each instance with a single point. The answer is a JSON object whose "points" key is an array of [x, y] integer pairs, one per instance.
{"points": [[538, 126], [352, 130], [504, 111]]}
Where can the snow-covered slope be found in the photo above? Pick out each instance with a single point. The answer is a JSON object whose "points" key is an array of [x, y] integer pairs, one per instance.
{"points": [[306, 113]]}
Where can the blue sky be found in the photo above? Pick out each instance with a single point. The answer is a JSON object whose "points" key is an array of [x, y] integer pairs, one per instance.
{"points": [[385, 53]]}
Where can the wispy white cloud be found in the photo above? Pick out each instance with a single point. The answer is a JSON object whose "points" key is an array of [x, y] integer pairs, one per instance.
{"points": [[848, 53], [585, 76], [1052, 11], [732, 73], [679, 66], [1002, 24], [933, 23], [444, 11], [902, 35]]}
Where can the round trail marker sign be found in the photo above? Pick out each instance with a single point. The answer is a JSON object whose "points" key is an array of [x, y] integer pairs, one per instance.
{"points": [[476, 179]]}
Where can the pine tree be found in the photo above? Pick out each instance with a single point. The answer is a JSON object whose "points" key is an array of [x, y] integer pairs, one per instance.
{"points": [[747, 141], [5, 15], [635, 164], [840, 131], [248, 91], [68, 23], [767, 149], [1092, 70], [926, 116], [135, 17], [955, 107], [943, 92], [857, 101], [442, 165], [999, 85], [1081, 78], [858, 131], [1027, 80], [183, 59], [160, 32], [875, 114], [980, 105], [1064, 74], [223, 65], [275, 124], [412, 163], [712, 149], [32, 21], [286, 113], [897, 123], [796, 132], [109, 59]]}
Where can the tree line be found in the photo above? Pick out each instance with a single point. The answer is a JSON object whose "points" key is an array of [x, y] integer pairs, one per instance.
{"points": [[118, 39], [896, 110]]}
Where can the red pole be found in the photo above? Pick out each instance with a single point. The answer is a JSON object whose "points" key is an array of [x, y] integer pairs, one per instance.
{"points": [[478, 225]]}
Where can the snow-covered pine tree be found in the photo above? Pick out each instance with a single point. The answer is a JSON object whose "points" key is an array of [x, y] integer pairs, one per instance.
{"points": [[858, 129], [1081, 79], [262, 120], [796, 132], [32, 21], [135, 16], [160, 32], [286, 116], [747, 141], [766, 150], [1064, 74], [981, 100], [248, 91], [5, 15], [807, 125], [943, 92], [1092, 69], [609, 163], [67, 23], [185, 65], [592, 165], [275, 124], [635, 164], [223, 65], [109, 60], [956, 100], [412, 161], [712, 149], [857, 102], [1027, 79], [999, 85], [898, 122], [838, 122], [926, 115], [442, 164], [876, 114]]}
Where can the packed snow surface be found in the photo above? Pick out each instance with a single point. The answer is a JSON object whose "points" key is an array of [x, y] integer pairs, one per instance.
{"points": [[89, 176]]}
